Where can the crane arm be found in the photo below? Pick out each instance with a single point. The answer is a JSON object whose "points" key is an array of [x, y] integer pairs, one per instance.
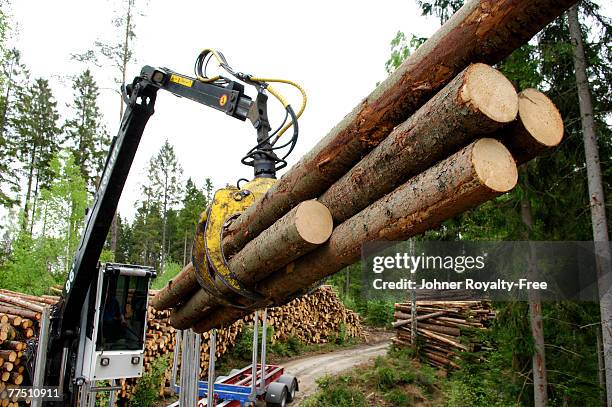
{"points": [[140, 100]]}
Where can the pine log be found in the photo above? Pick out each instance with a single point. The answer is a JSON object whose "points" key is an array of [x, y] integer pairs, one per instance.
{"points": [[28, 297], [180, 287], [481, 31], [8, 355], [21, 303], [305, 227], [14, 345], [476, 102], [7, 332], [539, 127], [441, 329], [8, 309], [479, 172]]}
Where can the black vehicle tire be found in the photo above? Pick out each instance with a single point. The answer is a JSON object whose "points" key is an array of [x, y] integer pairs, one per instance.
{"points": [[292, 385], [276, 394]]}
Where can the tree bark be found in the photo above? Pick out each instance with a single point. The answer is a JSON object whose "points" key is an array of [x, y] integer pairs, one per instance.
{"points": [[180, 287], [477, 101], [479, 172], [307, 226], [481, 31], [597, 203], [540, 382], [538, 127]]}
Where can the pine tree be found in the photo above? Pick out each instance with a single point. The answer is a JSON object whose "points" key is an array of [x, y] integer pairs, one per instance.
{"points": [[596, 193], [85, 132], [14, 75], [37, 140], [164, 188], [195, 201]]}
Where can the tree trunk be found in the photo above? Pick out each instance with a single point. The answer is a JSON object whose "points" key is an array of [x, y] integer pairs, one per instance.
{"points": [[596, 193], [540, 383], [26, 206], [124, 62], [481, 31], [164, 224], [307, 226], [479, 172], [478, 101]]}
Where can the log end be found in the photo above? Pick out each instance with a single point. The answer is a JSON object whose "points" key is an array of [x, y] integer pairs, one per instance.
{"points": [[489, 91], [313, 222], [494, 165], [540, 117]]}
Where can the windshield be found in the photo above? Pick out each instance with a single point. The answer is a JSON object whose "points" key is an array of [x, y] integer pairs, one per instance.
{"points": [[124, 309]]}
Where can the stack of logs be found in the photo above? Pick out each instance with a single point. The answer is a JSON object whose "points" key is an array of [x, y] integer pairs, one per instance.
{"points": [[443, 134], [314, 318], [19, 317], [442, 328]]}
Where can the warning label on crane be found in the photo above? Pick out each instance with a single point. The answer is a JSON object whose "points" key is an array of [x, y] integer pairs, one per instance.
{"points": [[181, 81]]}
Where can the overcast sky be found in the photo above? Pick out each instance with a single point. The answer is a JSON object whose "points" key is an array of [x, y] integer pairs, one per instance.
{"points": [[335, 50]]}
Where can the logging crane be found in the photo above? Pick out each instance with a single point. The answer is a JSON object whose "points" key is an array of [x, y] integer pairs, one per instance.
{"points": [[97, 330]]}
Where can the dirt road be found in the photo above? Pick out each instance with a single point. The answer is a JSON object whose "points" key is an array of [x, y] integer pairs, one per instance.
{"points": [[309, 368]]}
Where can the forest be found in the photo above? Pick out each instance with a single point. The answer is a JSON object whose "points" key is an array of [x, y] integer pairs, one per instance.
{"points": [[50, 166]]}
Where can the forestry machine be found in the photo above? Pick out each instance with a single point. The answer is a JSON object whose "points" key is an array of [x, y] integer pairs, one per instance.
{"points": [[97, 330]]}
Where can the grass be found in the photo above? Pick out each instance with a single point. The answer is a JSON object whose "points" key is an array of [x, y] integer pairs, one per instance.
{"points": [[396, 379], [170, 271]]}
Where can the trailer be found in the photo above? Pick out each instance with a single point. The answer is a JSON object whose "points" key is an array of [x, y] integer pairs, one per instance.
{"points": [[255, 384]]}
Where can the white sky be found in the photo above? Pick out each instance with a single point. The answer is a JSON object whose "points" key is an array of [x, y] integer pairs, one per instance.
{"points": [[335, 50]]}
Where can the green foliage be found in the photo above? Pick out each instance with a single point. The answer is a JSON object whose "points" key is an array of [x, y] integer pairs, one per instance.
{"points": [[84, 131], [401, 48], [398, 398], [147, 387], [442, 9], [336, 392], [13, 76], [379, 313], [40, 260], [395, 378], [287, 348], [37, 140], [172, 269]]}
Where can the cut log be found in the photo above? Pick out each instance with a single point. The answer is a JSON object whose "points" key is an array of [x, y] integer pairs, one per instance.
{"points": [[481, 31], [8, 355], [9, 299], [8, 309], [7, 332], [477, 173], [305, 227], [31, 298], [476, 102], [14, 345], [539, 127], [180, 287]]}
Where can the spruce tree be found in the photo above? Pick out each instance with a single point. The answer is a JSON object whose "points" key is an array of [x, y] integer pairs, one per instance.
{"points": [[85, 133], [164, 189], [37, 141], [13, 76]]}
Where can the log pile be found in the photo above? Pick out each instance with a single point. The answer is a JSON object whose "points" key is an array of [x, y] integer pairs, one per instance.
{"points": [[19, 318], [441, 135], [442, 328], [314, 318]]}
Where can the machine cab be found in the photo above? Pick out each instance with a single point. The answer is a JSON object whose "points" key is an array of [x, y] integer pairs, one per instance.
{"points": [[114, 323]]}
